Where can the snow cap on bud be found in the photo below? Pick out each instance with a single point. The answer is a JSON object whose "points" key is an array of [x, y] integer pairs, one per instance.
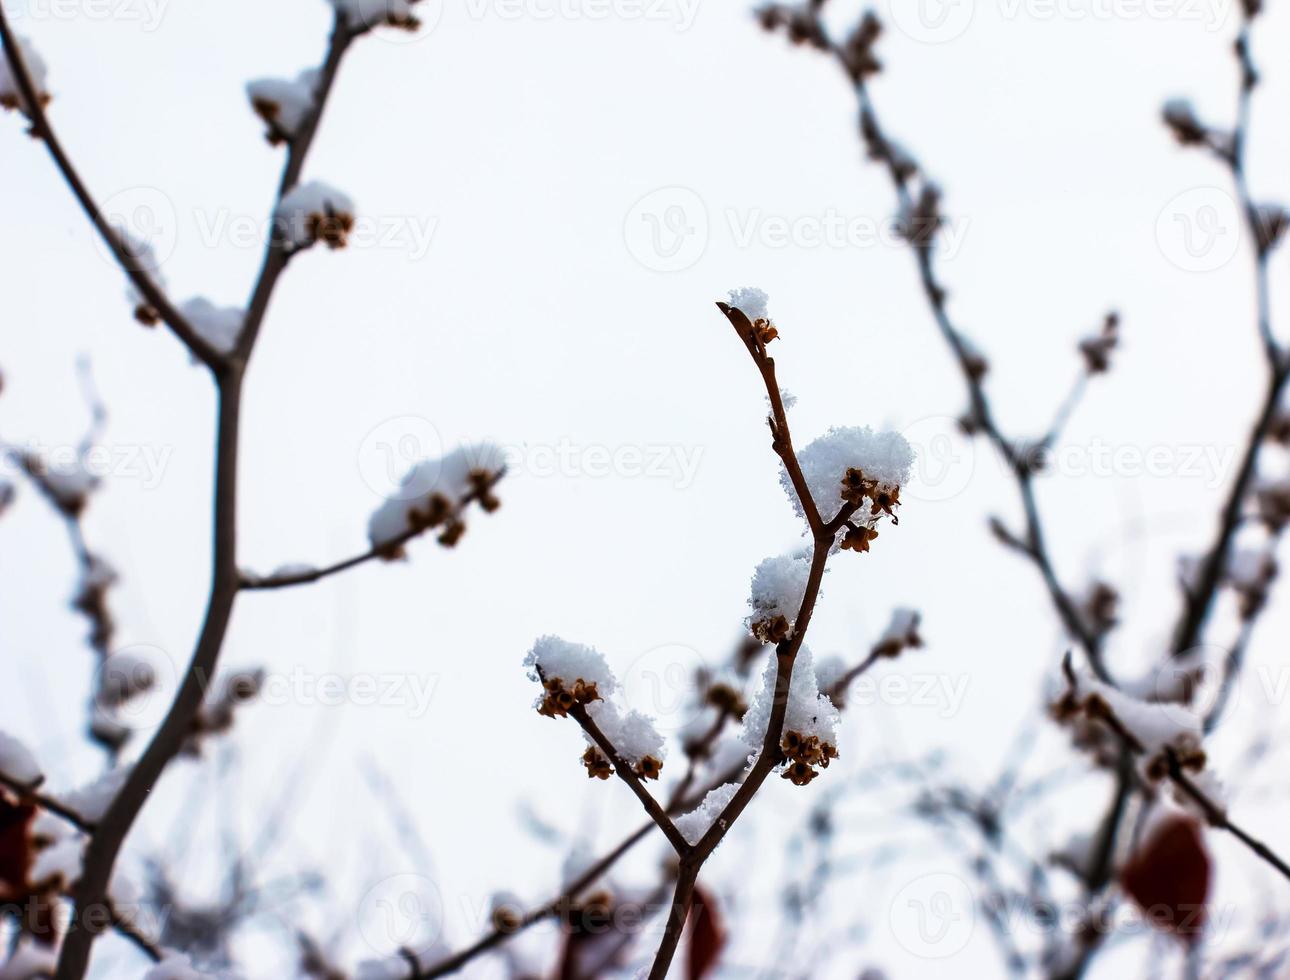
{"points": [[284, 104], [362, 15], [752, 303], [314, 212], [856, 466], [10, 96], [1180, 116], [778, 587]]}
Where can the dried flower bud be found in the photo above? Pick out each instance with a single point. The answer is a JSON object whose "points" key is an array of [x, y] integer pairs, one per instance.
{"points": [[1269, 222], [648, 768], [858, 538], [799, 774], [1097, 349], [1180, 117], [598, 766]]}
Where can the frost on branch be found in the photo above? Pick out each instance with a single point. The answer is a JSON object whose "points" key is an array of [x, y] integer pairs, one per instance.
{"points": [[778, 587], [314, 212], [219, 326], [10, 97], [810, 733], [435, 493], [284, 104], [17, 762], [695, 824], [858, 466], [366, 14]]}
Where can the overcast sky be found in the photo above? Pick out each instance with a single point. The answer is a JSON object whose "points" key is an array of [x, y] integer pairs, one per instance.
{"points": [[551, 196]]}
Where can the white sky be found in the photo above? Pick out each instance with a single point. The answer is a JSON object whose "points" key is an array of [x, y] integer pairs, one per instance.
{"points": [[535, 147]]}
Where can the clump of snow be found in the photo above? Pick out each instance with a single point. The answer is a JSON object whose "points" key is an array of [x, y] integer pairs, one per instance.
{"points": [[882, 457], [314, 212], [431, 492], [123, 676], [751, 302], [809, 713], [389, 968], [632, 734], [91, 801], [778, 588], [566, 662], [219, 326], [577, 862], [17, 761], [142, 258], [29, 960], [66, 483], [284, 104], [10, 97], [365, 14], [176, 966], [697, 822], [1157, 730], [58, 866]]}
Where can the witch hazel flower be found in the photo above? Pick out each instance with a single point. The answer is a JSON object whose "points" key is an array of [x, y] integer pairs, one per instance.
{"points": [[434, 494], [314, 212], [10, 96], [284, 104], [856, 466]]}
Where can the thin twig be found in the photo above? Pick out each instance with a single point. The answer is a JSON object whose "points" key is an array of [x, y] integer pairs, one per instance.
{"points": [[144, 283]]}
